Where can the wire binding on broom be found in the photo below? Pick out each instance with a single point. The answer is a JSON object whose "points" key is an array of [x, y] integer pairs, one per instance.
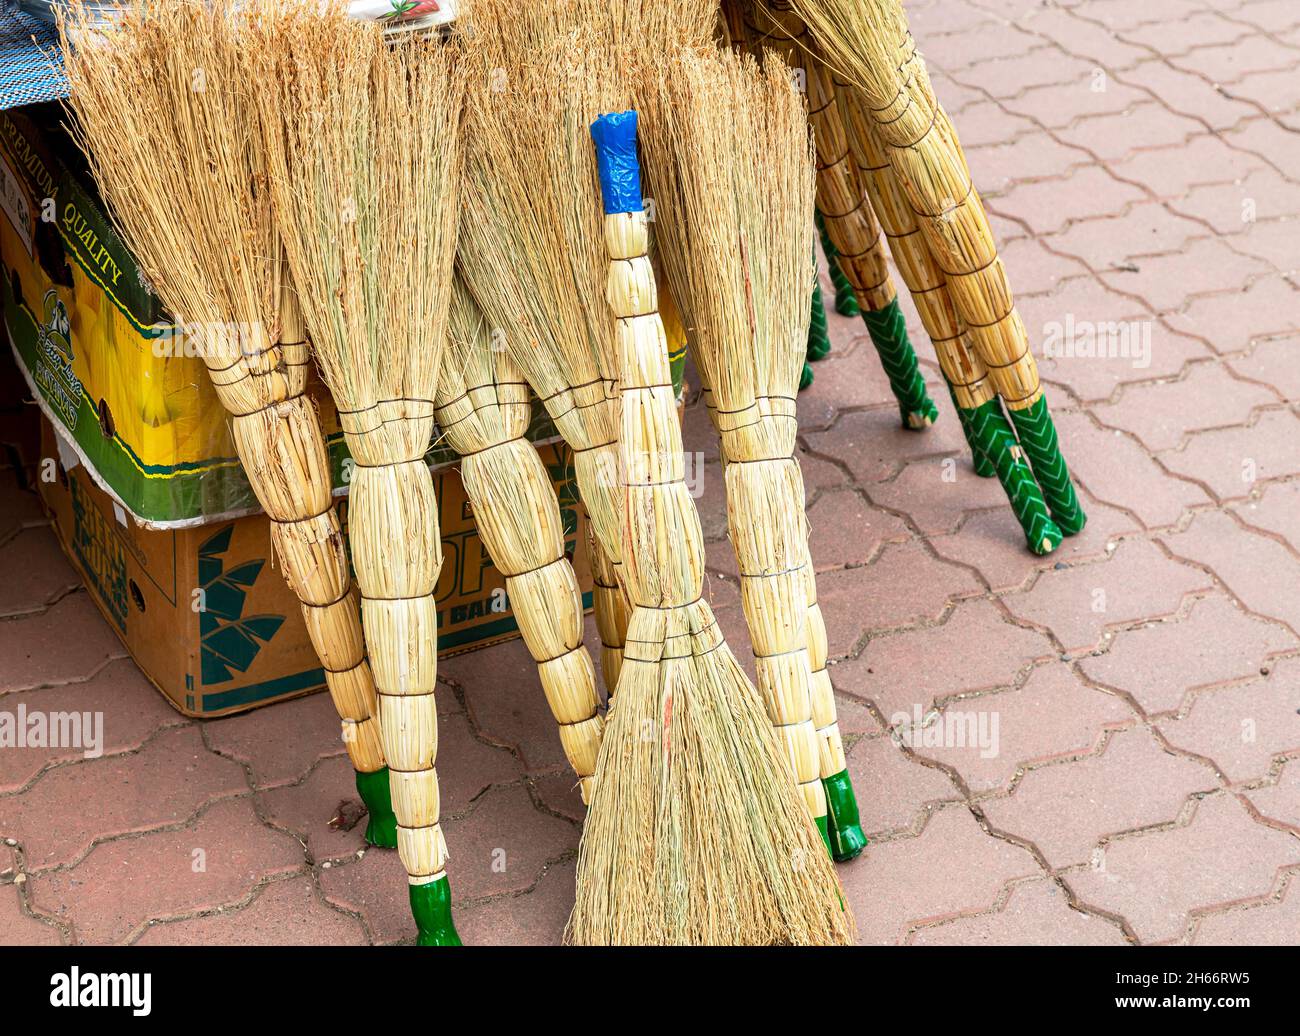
{"points": [[200, 226]]}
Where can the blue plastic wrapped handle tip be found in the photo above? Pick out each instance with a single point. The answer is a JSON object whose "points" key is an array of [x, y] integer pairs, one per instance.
{"points": [[620, 172]]}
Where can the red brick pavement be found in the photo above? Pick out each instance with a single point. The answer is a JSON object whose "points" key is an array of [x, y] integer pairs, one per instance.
{"points": [[1141, 162]]}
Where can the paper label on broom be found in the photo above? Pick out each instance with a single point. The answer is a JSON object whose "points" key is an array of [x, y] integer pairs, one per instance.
{"points": [[620, 172]]}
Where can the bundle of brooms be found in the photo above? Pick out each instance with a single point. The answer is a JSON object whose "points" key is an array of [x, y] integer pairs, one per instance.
{"points": [[696, 833], [483, 409], [167, 82], [362, 140], [869, 44]]}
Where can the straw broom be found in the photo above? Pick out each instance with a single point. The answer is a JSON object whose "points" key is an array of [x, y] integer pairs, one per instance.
{"points": [[695, 834], [363, 152], [531, 251], [165, 81], [847, 216], [687, 263], [992, 441], [869, 42], [482, 407], [745, 306]]}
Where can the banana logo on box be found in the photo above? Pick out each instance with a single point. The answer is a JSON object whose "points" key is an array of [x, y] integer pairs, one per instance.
{"points": [[56, 326]]}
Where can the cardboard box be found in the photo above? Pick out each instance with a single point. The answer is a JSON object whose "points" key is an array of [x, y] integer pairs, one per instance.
{"points": [[215, 628], [99, 351]]}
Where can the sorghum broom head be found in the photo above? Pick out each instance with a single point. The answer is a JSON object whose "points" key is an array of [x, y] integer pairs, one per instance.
{"points": [[644, 37], [168, 126], [363, 148], [531, 248], [746, 174], [696, 834]]}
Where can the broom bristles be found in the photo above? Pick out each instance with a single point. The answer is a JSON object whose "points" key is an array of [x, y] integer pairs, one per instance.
{"points": [[167, 82], [704, 841]]}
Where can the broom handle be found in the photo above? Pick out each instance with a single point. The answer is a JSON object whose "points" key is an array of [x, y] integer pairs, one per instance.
{"points": [[397, 554], [661, 526], [508, 487], [993, 443], [933, 172], [279, 442]]}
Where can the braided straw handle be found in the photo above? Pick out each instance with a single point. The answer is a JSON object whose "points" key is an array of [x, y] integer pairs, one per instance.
{"points": [[279, 441], [519, 522]]}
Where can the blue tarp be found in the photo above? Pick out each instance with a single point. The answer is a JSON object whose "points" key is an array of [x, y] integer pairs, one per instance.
{"points": [[30, 67]]}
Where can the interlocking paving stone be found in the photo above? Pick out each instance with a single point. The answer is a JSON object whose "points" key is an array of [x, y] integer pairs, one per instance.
{"points": [[992, 542], [1273, 362], [215, 860], [1271, 924], [988, 738], [1155, 879], [1280, 801], [846, 530], [902, 787], [1078, 604], [1037, 913], [976, 649], [66, 643], [1162, 415], [1232, 461], [1242, 728], [283, 913], [951, 868], [70, 807], [1159, 663], [1067, 808], [1230, 322], [121, 707], [1257, 569], [279, 745], [36, 572]]}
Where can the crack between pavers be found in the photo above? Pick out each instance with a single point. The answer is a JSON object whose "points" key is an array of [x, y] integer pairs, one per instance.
{"points": [[77, 682], [233, 906], [1196, 915]]}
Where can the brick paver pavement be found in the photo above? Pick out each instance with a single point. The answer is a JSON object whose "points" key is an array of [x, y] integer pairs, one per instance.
{"points": [[1135, 697]]}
